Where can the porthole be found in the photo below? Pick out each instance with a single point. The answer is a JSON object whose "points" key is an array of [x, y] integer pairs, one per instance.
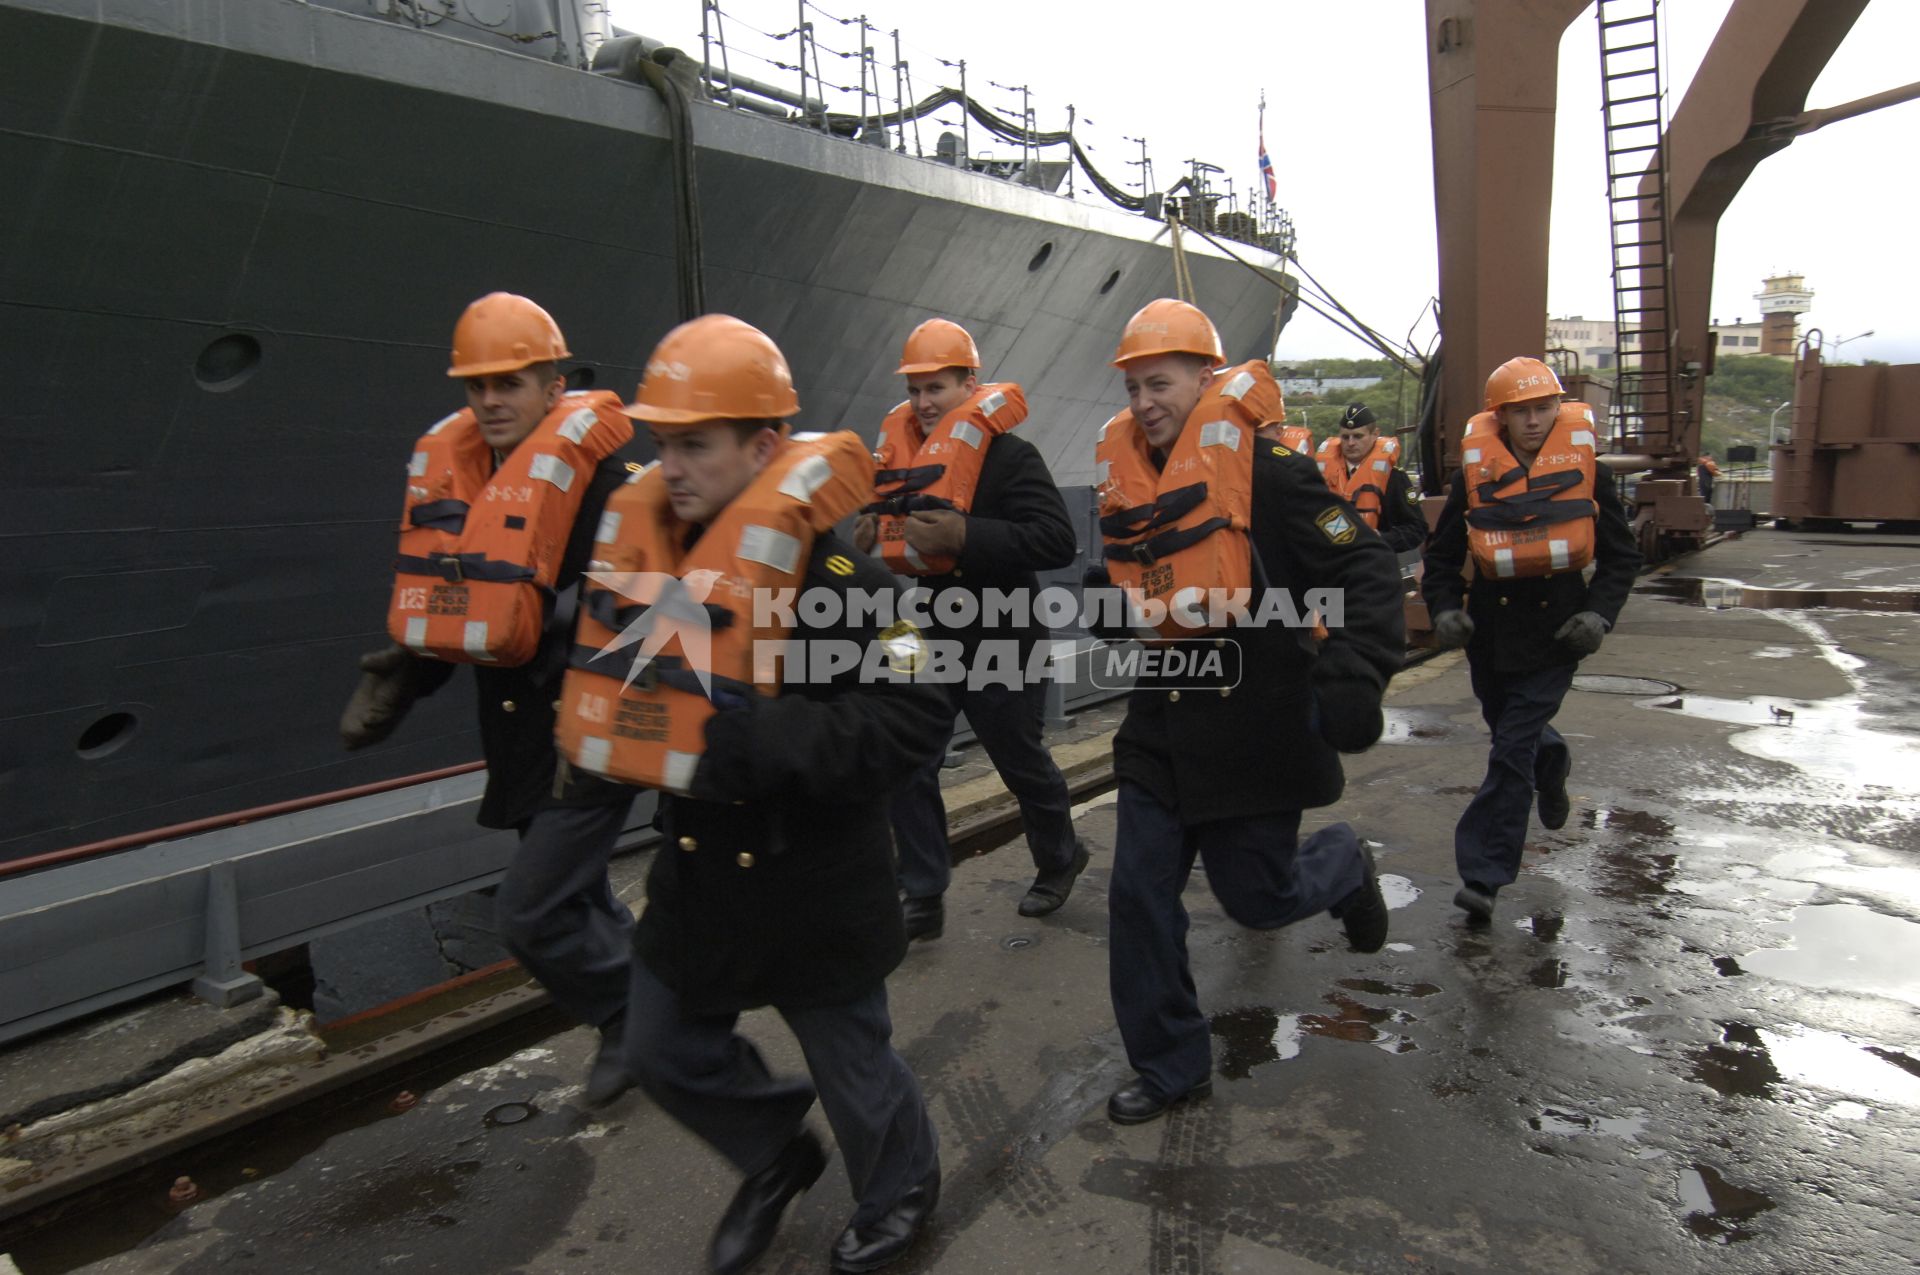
{"points": [[106, 736], [1040, 258], [227, 362]]}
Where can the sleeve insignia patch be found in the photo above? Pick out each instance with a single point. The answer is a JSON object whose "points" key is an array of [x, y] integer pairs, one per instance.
{"points": [[1281, 451], [1336, 526], [840, 564], [906, 649]]}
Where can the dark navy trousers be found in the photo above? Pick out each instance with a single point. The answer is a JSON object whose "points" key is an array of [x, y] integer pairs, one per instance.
{"points": [[1264, 877], [1007, 721], [1519, 708], [714, 1082], [556, 911]]}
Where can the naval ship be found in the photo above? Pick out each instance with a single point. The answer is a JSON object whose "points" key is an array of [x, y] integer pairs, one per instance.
{"points": [[238, 235]]}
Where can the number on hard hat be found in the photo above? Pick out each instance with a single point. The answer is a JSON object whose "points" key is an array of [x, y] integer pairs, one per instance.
{"points": [[1518, 380], [715, 368], [502, 332], [1167, 326], [935, 346]]}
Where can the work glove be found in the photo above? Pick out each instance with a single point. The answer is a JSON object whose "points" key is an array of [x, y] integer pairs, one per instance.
{"points": [[1583, 632], [1452, 629], [389, 683], [1348, 697]]}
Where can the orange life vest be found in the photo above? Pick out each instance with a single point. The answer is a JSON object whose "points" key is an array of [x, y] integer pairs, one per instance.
{"points": [[1175, 533], [1297, 438], [941, 471], [694, 609], [1530, 522], [1366, 487], [480, 546]]}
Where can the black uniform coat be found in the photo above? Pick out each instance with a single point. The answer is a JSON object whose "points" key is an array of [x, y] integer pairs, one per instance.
{"points": [[779, 890], [1018, 525], [516, 704], [1255, 749], [1514, 620], [1403, 524]]}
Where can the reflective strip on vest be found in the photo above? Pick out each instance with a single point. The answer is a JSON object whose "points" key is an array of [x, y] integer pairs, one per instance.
{"points": [[1223, 433], [443, 422], [609, 528], [1561, 554], [804, 479], [417, 468], [768, 547], [677, 770], [417, 633], [969, 433], [1503, 562], [595, 753], [474, 638], [1583, 438], [1237, 388], [1471, 456], [992, 403], [552, 469], [576, 427]]}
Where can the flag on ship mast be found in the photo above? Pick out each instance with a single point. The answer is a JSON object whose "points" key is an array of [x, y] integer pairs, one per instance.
{"points": [[1266, 161]]}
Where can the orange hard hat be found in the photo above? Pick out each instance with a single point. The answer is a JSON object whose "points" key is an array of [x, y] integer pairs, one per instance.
{"points": [[715, 368], [1167, 326], [935, 346], [502, 332], [1518, 380]]}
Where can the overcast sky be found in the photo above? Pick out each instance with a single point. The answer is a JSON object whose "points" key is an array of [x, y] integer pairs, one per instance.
{"points": [[1347, 127]]}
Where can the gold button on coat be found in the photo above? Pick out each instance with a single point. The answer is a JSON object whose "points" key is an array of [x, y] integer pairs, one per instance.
{"points": [[506, 706], [1225, 691], [689, 844], [744, 858], [1503, 602], [1173, 697]]}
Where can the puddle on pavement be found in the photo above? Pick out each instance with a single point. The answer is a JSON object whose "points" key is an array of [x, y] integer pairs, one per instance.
{"points": [[1832, 739], [1253, 1035], [1710, 592], [1550, 974], [1378, 987], [1546, 928], [1844, 947], [1398, 891], [1630, 869], [1574, 1124], [1419, 726], [1716, 1209], [1751, 1062]]}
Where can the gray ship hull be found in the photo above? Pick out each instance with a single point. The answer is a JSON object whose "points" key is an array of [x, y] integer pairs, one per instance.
{"points": [[237, 235]]}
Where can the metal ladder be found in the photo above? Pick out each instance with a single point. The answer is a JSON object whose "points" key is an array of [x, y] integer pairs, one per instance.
{"points": [[1633, 108]]}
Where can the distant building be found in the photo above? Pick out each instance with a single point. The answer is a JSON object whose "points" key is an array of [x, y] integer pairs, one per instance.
{"points": [[1314, 386], [1739, 337], [1783, 299], [1591, 339]]}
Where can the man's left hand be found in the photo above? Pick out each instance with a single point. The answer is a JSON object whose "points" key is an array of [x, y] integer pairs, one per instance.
{"points": [[1582, 633], [940, 532]]}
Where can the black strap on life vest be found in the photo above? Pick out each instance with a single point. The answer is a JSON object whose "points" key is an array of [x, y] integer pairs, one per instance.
{"points": [[605, 606], [662, 670], [457, 568], [1168, 507], [1167, 543], [441, 515], [1533, 507]]}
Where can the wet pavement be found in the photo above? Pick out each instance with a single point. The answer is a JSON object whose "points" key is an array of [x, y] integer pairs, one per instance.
{"points": [[1690, 1040]]}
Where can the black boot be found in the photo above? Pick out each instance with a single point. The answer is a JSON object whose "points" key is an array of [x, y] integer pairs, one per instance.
{"points": [[868, 1248], [1364, 911], [1050, 889], [747, 1227]]}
